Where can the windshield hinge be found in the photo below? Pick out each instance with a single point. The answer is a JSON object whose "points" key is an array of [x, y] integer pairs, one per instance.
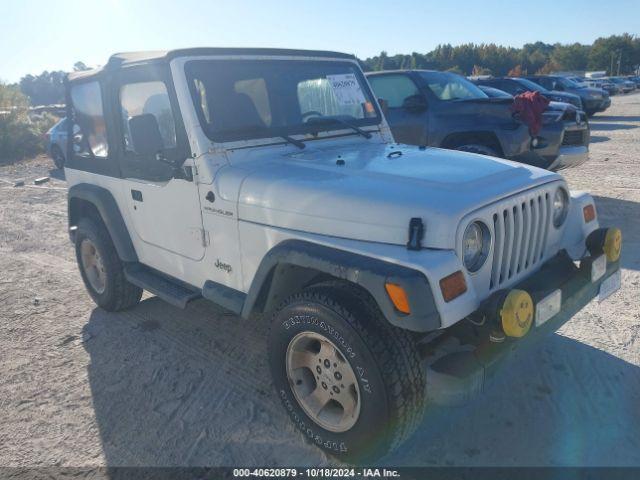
{"points": [[205, 237]]}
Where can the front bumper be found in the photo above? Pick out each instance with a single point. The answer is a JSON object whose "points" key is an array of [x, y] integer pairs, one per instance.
{"points": [[570, 156], [592, 104], [461, 362], [606, 103]]}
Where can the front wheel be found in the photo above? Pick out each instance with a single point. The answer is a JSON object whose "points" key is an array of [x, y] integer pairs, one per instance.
{"points": [[477, 148], [350, 381]]}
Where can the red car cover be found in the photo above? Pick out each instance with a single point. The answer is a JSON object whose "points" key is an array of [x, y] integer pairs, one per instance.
{"points": [[529, 107]]}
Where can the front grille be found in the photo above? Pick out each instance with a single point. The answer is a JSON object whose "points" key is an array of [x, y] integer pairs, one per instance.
{"points": [[573, 137], [520, 232]]}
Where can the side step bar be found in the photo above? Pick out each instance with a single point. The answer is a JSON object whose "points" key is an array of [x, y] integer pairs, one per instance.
{"points": [[169, 290]]}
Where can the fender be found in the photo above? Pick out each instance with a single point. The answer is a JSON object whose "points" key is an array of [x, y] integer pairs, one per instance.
{"points": [[106, 205], [292, 263]]}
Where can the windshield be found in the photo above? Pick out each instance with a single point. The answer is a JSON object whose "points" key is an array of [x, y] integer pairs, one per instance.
{"points": [[247, 99], [531, 86], [566, 83], [449, 86]]}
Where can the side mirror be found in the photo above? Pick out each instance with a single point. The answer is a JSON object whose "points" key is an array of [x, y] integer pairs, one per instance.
{"points": [[77, 138], [384, 105], [145, 134], [415, 103]]}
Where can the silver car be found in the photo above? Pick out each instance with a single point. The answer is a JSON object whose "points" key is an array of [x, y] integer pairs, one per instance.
{"points": [[57, 142]]}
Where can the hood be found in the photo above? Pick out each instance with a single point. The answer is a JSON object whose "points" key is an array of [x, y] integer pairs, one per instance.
{"points": [[563, 96], [495, 105], [590, 91], [371, 192]]}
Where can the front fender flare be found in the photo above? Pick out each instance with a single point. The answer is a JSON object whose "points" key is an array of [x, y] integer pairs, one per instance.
{"points": [[369, 273]]}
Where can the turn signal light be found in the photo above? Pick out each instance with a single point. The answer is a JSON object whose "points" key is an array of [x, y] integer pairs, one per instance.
{"points": [[452, 286], [589, 213], [398, 296]]}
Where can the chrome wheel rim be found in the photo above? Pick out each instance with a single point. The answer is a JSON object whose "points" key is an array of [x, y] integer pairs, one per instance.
{"points": [[323, 382], [93, 266]]}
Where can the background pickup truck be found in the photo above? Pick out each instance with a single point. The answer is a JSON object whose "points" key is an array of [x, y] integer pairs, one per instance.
{"points": [[441, 109]]}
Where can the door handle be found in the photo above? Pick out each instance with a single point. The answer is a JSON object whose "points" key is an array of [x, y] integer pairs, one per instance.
{"points": [[136, 195]]}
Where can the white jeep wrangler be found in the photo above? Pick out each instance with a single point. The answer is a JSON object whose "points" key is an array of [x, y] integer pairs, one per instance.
{"points": [[268, 181]]}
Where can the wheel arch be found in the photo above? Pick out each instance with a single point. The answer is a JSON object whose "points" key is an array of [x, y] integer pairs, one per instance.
{"points": [[484, 137], [294, 265], [86, 200]]}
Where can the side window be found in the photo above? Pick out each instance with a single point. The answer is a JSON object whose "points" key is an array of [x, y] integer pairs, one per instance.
{"points": [[393, 88], [89, 129], [546, 83], [147, 98]]}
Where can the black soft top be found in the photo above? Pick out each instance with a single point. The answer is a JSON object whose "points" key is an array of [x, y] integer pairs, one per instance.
{"points": [[121, 60]]}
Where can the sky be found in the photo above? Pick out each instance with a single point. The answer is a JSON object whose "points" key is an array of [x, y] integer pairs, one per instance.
{"points": [[52, 35]]}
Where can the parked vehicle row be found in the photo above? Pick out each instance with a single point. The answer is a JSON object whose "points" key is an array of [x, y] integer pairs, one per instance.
{"points": [[593, 100], [518, 85], [442, 109], [268, 181], [613, 85]]}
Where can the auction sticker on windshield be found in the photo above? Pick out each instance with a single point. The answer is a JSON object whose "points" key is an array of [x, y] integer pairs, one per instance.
{"points": [[346, 89]]}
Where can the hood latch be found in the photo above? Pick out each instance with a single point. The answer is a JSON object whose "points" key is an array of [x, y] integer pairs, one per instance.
{"points": [[416, 234]]}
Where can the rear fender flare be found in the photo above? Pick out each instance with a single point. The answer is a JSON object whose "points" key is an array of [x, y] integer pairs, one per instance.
{"points": [[102, 200]]}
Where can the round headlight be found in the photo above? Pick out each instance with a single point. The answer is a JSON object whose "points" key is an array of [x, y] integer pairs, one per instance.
{"points": [[560, 207], [475, 246]]}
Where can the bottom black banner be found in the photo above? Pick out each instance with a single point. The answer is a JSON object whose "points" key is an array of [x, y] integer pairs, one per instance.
{"points": [[403, 473]]}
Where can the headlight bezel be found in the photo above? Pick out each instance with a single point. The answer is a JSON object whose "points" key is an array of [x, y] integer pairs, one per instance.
{"points": [[480, 259], [559, 220]]}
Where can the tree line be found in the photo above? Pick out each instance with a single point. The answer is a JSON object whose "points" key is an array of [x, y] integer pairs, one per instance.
{"points": [[617, 54]]}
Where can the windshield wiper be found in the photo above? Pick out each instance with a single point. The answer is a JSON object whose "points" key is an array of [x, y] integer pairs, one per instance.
{"points": [[298, 143], [258, 129], [330, 120]]}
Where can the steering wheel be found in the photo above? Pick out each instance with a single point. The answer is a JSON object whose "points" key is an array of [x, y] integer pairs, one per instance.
{"points": [[311, 112]]}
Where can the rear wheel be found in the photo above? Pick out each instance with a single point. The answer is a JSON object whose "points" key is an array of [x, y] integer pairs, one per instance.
{"points": [[101, 269], [350, 381], [57, 156]]}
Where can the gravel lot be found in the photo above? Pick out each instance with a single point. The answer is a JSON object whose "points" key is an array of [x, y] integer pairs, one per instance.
{"points": [[161, 386]]}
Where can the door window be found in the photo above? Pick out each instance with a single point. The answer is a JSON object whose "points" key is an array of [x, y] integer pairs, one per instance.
{"points": [[393, 88], [148, 98], [89, 129]]}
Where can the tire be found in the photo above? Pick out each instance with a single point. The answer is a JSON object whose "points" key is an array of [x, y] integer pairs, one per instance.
{"points": [[57, 156], [390, 381], [104, 279], [477, 148]]}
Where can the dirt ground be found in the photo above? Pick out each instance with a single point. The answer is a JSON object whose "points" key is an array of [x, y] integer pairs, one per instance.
{"points": [[161, 386]]}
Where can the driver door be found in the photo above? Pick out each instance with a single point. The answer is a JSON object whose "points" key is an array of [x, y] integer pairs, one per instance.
{"points": [[163, 202], [407, 125]]}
